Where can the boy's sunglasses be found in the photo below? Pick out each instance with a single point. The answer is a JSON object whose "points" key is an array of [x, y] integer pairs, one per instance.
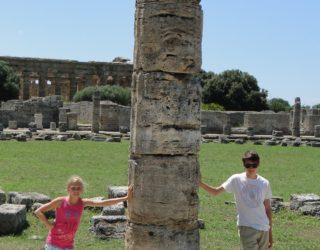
{"points": [[251, 165]]}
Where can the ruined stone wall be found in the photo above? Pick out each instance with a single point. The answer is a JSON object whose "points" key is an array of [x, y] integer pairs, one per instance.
{"points": [[43, 77], [23, 111], [83, 109], [124, 117], [120, 114], [310, 120], [213, 121], [265, 123]]}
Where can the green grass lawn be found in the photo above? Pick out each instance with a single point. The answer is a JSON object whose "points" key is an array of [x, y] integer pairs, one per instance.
{"points": [[45, 167]]}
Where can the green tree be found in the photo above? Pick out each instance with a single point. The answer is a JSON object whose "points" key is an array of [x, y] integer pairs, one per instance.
{"points": [[317, 106], [278, 104], [9, 83], [234, 90], [205, 76]]}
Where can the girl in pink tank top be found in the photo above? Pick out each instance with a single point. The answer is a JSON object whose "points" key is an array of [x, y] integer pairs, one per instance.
{"points": [[68, 214]]}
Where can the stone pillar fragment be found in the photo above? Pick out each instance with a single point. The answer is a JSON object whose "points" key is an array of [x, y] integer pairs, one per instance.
{"points": [[53, 126], [72, 120], [165, 126], [296, 117], [95, 112], [38, 120], [63, 120]]}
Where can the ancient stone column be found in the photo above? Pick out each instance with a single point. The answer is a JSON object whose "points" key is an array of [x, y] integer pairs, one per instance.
{"points": [[88, 81], [25, 86], [95, 112], [73, 86], [57, 86], [42, 85], [296, 117], [165, 126]]}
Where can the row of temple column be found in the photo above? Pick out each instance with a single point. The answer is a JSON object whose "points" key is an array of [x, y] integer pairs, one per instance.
{"points": [[66, 86]]}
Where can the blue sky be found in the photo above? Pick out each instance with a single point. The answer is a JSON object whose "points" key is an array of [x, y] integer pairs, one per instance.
{"points": [[276, 41]]}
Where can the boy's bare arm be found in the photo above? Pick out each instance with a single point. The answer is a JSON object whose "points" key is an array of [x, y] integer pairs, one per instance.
{"points": [[267, 205], [212, 190]]}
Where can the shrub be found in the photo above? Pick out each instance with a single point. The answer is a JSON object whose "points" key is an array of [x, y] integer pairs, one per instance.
{"points": [[114, 93], [212, 106]]}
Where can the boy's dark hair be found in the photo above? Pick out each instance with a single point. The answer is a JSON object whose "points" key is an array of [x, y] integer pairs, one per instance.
{"points": [[251, 155]]}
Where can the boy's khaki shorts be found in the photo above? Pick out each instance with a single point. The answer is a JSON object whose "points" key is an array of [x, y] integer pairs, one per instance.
{"points": [[253, 239]]}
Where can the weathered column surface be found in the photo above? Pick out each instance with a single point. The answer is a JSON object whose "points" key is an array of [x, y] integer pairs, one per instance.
{"points": [[42, 85], [296, 117], [165, 126]]}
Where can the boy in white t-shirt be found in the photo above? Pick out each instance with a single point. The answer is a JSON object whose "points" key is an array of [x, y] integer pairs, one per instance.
{"points": [[252, 194]]}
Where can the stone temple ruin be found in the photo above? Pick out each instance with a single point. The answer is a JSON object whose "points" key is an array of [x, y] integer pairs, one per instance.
{"points": [[51, 113], [43, 77]]}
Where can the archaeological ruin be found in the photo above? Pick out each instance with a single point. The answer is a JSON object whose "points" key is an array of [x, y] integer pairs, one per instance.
{"points": [[42, 77]]}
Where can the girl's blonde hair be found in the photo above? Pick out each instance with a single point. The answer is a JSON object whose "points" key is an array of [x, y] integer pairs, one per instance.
{"points": [[75, 179]]}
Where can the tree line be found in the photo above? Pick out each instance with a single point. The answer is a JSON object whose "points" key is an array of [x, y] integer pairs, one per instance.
{"points": [[232, 90]]}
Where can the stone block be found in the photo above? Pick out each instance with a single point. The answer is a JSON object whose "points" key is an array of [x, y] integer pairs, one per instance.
{"points": [[3, 136], [49, 214], [106, 227], [63, 126], [72, 120], [27, 198], [298, 200], [12, 218], [117, 209], [38, 117], [53, 126], [61, 138], [310, 208], [117, 191], [13, 124], [21, 137], [114, 139]]}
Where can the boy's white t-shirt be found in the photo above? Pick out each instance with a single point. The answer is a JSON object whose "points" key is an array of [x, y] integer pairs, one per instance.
{"points": [[250, 195]]}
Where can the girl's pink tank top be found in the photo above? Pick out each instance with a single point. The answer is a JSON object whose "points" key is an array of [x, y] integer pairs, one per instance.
{"points": [[67, 221]]}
